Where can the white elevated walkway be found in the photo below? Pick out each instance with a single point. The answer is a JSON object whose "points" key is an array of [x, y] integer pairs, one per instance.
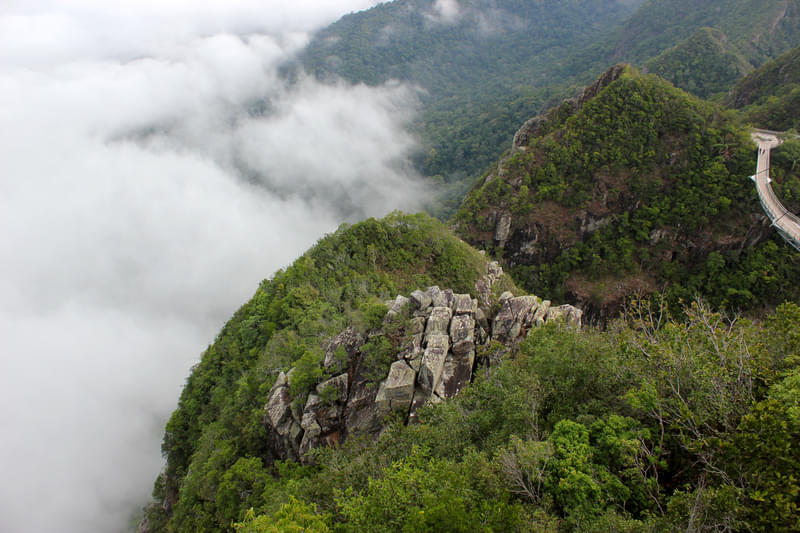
{"points": [[787, 224]]}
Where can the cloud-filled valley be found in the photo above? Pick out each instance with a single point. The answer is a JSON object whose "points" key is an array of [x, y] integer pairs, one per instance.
{"points": [[154, 167]]}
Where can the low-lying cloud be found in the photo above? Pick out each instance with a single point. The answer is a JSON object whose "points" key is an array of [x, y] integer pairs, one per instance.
{"points": [[153, 169]]}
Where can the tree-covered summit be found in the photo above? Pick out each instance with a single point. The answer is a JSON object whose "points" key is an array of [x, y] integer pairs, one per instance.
{"points": [[639, 189]]}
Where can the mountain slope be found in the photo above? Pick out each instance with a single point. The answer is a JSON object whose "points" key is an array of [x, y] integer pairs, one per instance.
{"points": [[342, 281], [634, 188], [761, 30], [479, 62], [769, 97], [705, 64], [487, 65], [552, 427]]}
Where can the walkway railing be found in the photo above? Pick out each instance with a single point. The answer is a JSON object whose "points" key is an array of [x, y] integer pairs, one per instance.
{"points": [[784, 221]]}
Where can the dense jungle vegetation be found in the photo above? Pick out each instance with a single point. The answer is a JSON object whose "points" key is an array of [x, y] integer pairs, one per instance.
{"points": [[667, 176], [487, 67], [769, 97], [216, 434], [682, 413], [654, 424]]}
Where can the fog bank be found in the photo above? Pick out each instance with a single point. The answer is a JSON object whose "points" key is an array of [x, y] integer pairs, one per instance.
{"points": [[153, 169]]}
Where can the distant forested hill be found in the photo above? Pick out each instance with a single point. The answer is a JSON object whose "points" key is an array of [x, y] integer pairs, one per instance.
{"points": [[635, 188], [769, 97], [760, 29], [487, 65], [482, 64], [705, 64]]}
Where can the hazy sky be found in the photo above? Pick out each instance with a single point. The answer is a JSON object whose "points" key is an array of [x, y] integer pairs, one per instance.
{"points": [[140, 205]]}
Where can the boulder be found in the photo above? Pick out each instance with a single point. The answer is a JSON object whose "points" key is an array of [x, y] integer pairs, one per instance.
{"points": [[540, 313], [438, 322], [350, 340], [456, 373], [462, 334], [420, 397], [397, 390], [437, 296], [514, 318], [416, 326], [430, 371], [399, 305], [494, 271], [278, 409], [464, 305], [333, 389], [449, 298], [569, 314], [503, 229], [309, 421], [420, 300], [360, 412]]}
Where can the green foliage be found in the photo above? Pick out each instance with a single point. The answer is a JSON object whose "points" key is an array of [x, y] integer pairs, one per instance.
{"points": [[482, 72], [219, 419], [769, 96], [765, 447], [704, 64], [293, 517], [307, 373], [665, 175], [422, 493], [659, 24], [649, 425]]}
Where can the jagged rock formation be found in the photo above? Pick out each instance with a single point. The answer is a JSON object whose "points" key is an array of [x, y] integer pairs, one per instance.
{"points": [[438, 337]]}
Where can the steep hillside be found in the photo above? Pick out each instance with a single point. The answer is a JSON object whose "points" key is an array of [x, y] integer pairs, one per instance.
{"points": [[759, 29], [769, 97], [481, 64], [342, 397], [705, 64], [633, 188], [487, 65], [322, 318]]}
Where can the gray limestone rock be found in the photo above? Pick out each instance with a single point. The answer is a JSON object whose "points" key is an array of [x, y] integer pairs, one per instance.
{"points": [[514, 318], [462, 334], [540, 313], [278, 409], [571, 315], [334, 389], [503, 228], [420, 300], [360, 413], [397, 390], [350, 340], [456, 373], [399, 305], [420, 397], [449, 298], [438, 322], [437, 296], [530, 130], [430, 371], [416, 326], [464, 305], [480, 318]]}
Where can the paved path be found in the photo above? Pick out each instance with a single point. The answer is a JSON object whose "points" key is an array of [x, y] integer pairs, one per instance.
{"points": [[787, 224]]}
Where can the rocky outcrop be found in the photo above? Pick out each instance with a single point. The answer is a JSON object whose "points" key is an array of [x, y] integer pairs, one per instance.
{"points": [[537, 126], [437, 334]]}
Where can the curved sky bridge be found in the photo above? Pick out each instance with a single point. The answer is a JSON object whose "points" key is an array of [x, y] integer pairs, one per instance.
{"points": [[787, 224]]}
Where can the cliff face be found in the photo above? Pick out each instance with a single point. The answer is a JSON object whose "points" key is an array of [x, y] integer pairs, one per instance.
{"points": [[434, 338], [327, 349], [631, 188]]}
